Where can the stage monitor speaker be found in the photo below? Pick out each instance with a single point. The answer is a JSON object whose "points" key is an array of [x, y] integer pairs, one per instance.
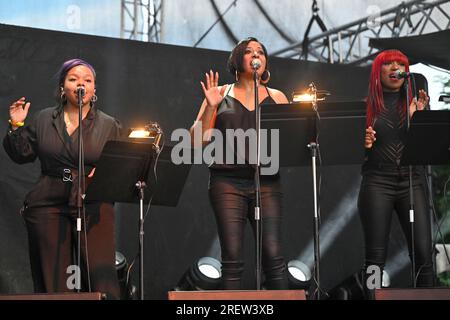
{"points": [[413, 294], [56, 296], [238, 295]]}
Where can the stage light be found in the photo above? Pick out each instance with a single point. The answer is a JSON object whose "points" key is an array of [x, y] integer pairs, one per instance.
{"points": [[352, 288], [151, 132], [386, 280], [299, 275], [127, 291], [310, 95], [442, 263], [349, 289], [139, 133], [302, 97], [204, 274]]}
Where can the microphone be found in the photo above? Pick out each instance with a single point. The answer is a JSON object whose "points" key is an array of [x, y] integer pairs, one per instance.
{"points": [[400, 74], [81, 91], [256, 64]]}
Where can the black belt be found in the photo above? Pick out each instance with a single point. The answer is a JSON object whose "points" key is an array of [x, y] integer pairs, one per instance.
{"points": [[388, 167], [66, 174]]}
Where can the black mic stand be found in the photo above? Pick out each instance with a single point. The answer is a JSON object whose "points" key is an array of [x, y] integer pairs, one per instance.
{"points": [[314, 146], [141, 185], [257, 183], [411, 191], [80, 191]]}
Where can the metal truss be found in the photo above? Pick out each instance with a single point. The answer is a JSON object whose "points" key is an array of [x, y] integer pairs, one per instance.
{"points": [[350, 43], [141, 20]]}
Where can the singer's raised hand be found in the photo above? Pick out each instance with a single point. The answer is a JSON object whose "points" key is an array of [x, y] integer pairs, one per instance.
{"points": [[419, 104], [18, 111], [370, 138], [211, 89]]}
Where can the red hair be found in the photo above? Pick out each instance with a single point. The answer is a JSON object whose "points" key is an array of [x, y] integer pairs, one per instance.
{"points": [[375, 102]]}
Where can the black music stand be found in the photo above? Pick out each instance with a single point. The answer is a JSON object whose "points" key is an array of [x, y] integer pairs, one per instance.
{"points": [[427, 143], [300, 129], [428, 140], [340, 122], [124, 173]]}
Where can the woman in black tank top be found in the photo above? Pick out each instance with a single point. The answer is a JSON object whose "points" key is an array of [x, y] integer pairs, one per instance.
{"points": [[385, 184], [231, 187]]}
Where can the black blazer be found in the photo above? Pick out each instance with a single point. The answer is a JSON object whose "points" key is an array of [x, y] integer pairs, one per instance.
{"points": [[47, 139]]}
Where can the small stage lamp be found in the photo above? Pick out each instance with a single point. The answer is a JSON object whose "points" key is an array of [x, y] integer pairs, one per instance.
{"points": [[299, 275], [204, 274]]}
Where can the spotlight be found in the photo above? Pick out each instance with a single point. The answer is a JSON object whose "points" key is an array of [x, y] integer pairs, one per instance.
{"points": [[386, 280], [349, 289], [442, 263], [352, 288], [299, 275], [204, 274], [127, 292]]}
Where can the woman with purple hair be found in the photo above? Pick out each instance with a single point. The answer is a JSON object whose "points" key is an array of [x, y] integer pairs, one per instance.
{"points": [[50, 209]]}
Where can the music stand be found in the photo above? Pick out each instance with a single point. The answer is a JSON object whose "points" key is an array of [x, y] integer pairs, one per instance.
{"points": [[342, 122], [124, 173], [428, 140], [427, 143]]}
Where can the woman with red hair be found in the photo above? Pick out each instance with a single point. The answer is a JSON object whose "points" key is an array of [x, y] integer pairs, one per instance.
{"points": [[385, 183]]}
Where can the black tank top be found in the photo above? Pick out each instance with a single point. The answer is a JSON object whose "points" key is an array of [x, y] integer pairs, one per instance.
{"points": [[233, 121]]}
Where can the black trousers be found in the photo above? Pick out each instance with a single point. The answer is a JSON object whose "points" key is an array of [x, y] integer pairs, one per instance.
{"points": [[52, 242], [233, 201], [383, 192]]}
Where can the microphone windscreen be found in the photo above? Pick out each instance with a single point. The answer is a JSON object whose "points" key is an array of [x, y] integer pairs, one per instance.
{"points": [[256, 64]]}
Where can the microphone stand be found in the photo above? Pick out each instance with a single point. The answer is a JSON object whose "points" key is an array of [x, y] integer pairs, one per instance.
{"points": [[257, 183], [141, 185], [411, 191], [314, 146], [80, 191]]}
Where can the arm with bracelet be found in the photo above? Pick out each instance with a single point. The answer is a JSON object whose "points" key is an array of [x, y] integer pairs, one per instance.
{"points": [[18, 112], [20, 142]]}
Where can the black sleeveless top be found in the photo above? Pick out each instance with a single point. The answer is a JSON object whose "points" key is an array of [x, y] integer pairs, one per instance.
{"points": [[238, 156]]}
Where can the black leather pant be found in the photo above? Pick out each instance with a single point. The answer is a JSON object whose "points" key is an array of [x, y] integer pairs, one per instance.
{"points": [[233, 201], [382, 192]]}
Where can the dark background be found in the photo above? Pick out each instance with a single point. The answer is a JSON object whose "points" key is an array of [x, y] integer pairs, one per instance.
{"points": [[139, 82]]}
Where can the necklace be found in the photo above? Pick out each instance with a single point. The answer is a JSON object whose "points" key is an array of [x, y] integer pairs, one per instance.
{"points": [[67, 120]]}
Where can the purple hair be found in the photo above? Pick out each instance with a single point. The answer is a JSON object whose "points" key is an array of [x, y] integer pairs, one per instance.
{"points": [[69, 64]]}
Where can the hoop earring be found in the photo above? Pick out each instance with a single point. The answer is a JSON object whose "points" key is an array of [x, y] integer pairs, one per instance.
{"points": [[62, 95], [94, 98], [265, 77], [236, 76]]}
